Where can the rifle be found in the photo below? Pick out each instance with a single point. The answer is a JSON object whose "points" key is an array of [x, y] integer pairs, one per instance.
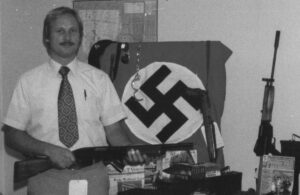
{"points": [[265, 142], [113, 155], [209, 128], [200, 100]]}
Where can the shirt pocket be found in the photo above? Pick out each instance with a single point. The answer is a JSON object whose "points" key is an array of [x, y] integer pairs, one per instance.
{"points": [[90, 107]]}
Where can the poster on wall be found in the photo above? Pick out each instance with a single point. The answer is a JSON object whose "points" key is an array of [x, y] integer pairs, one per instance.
{"points": [[124, 21]]}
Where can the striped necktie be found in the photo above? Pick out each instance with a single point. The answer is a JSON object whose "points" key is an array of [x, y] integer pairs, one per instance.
{"points": [[67, 118]]}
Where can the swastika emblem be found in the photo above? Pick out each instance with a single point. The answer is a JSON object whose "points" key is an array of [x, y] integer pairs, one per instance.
{"points": [[165, 114]]}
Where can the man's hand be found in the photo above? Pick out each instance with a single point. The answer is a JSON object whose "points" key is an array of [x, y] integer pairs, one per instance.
{"points": [[21, 141], [60, 157], [134, 157]]}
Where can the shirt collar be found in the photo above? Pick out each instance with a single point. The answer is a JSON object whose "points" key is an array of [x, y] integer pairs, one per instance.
{"points": [[55, 66]]}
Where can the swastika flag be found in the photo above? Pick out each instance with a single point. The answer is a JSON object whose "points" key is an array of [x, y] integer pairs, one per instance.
{"points": [[157, 109]]}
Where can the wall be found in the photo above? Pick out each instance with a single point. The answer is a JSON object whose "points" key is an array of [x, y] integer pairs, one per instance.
{"points": [[1, 113], [247, 27]]}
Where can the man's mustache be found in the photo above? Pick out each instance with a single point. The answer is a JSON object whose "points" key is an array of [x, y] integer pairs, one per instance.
{"points": [[67, 43]]}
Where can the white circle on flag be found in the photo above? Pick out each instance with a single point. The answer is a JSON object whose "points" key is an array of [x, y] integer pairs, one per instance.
{"points": [[149, 133]]}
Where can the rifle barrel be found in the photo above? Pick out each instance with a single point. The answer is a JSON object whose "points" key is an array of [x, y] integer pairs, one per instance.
{"points": [[276, 44]]}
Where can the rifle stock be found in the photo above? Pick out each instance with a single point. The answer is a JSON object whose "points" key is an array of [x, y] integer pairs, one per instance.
{"points": [[31, 167], [87, 156]]}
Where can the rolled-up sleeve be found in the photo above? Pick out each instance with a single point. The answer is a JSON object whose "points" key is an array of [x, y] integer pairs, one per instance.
{"points": [[18, 114], [112, 110]]}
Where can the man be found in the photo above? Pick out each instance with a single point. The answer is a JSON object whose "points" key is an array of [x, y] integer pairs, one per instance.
{"points": [[64, 105]]}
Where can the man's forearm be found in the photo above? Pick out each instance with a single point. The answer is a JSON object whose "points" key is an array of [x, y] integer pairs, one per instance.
{"points": [[23, 142], [116, 135]]}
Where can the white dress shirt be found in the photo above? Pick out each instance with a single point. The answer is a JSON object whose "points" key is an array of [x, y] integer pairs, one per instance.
{"points": [[33, 107]]}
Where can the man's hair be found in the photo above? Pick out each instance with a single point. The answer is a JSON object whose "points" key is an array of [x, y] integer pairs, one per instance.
{"points": [[52, 16]]}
